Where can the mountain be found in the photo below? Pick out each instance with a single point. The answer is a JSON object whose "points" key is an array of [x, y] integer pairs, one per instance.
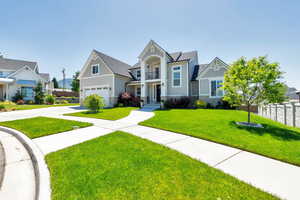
{"points": [[68, 82]]}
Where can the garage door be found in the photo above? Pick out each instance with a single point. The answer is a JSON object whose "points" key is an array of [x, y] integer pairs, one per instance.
{"points": [[101, 91]]}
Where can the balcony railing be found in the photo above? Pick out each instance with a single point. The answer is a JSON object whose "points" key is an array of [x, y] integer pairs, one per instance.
{"points": [[152, 75]]}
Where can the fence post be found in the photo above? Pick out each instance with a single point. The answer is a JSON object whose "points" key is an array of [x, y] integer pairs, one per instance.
{"points": [[293, 113], [284, 113]]}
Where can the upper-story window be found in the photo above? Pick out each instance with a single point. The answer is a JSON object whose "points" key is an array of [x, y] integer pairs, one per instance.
{"points": [[1, 74], [216, 88], [138, 74], [176, 76], [95, 69]]}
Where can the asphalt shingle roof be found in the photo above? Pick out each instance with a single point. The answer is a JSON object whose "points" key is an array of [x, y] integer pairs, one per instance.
{"points": [[116, 66], [14, 65]]}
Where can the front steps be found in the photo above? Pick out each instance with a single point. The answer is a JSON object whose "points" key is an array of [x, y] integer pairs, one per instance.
{"points": [[150, 107]]}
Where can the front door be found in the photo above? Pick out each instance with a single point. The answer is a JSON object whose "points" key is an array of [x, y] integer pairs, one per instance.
{"points": [[158, 93]]}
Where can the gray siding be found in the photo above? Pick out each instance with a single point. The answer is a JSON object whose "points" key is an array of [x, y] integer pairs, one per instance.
{"points": [[204, 87], [102, 67], [194, 88], [152, 52], [183, 89], [94, 81], [212, 73], [120, 82]]}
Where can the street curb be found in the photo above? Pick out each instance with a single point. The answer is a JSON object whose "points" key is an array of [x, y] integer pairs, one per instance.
{"points": [[3, 163], [42, 175]]}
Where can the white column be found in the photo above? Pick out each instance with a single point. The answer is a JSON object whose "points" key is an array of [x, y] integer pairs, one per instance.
{"points": [[143, 84], [163, 75], [6, 93]]}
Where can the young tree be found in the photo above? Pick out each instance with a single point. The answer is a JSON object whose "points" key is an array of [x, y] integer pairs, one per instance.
{"points": [[55, 83], [75, 82], [255, 81], [39, 94]]}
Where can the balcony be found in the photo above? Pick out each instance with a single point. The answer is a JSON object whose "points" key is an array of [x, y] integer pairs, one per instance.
{"points": [[152, 75]]}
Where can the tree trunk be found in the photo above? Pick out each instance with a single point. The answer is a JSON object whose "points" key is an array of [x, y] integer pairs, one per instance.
{"points": [[249, 114]]}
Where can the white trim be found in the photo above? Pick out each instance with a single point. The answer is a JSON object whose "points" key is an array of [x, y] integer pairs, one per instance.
{"points": [[92, 68], [26, 67], [99, 76], [95, 86], [150, 43], [188, 79], [172, 77], [113, 86]]}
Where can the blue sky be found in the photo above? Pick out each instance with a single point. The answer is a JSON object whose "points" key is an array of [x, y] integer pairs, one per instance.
{"points": [[62, 33]]}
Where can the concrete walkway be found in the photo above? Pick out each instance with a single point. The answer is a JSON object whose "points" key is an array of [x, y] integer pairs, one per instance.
{"points": [[270, 175], [19, 177]]}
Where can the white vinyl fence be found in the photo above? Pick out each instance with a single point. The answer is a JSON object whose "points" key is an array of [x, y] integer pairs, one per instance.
{"points": [[287, 113]]}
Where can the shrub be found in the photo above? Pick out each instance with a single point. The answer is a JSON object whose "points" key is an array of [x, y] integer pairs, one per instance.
{"points": [[39, 94], [94, 102], [18, 96], [20, 102], [29, 102], [50, 99], [120, 105], [183, 102], [2, 107], [8, 103], [62, 102], [128, 99], [224, 105], [200, 104]]}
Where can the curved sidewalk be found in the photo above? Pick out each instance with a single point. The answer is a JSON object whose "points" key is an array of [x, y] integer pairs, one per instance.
{"points": [[26, 176]]}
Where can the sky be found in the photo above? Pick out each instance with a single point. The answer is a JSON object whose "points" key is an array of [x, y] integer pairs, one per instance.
{"points": [[62, 33]]}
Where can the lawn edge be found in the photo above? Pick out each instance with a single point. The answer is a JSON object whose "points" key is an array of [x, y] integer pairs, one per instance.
{"points": [[216, 142]]}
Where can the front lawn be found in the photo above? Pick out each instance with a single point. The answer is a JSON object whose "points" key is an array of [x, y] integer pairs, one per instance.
{"points": [[122, 166], [275, 140], [42, 126], [108, 113], [34, 106]]}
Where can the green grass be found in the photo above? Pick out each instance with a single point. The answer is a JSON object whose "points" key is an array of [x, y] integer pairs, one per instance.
{"points": [[275, 140], [42, 126], [108, 114], [122, 166], [30, 107]]}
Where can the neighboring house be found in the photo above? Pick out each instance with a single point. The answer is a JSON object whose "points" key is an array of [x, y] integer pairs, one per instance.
{"points": [[291, 93], [20, 75], [157, 76]]}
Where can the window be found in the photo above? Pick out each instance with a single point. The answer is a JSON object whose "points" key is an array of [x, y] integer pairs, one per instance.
{"points": [[138, 74], [138, 92], [215, 88], [95, 69], [1, 74], [27, 92], [176, 75]]}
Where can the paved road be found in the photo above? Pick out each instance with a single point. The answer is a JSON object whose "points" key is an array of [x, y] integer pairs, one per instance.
{"points": [[2, 163]]}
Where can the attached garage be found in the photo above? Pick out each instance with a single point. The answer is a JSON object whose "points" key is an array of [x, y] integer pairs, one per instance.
{"points": [[102, 91]]}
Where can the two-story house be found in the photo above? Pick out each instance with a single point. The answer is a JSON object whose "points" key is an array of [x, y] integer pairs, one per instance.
{"points": [[20, 75], [158, 75]]}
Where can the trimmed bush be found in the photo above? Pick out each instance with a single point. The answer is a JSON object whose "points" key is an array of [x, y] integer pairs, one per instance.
{"points": [[200, 104], [18, 96], [128, 99], [94, 102], [183, 102], [50, 99], [20, 102], [2, 107]]}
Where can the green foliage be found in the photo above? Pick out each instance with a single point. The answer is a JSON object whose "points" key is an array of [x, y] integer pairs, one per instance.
{"points": [[50, 99], [18, 96], [200, 104], [75, 82], [39, 94], [55, 83], [2, 107], [255, 81], [94, 102]]}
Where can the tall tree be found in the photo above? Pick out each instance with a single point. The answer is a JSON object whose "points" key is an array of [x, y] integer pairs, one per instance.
{"points": [[75, 82], [254, 81], [55, 83]]}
